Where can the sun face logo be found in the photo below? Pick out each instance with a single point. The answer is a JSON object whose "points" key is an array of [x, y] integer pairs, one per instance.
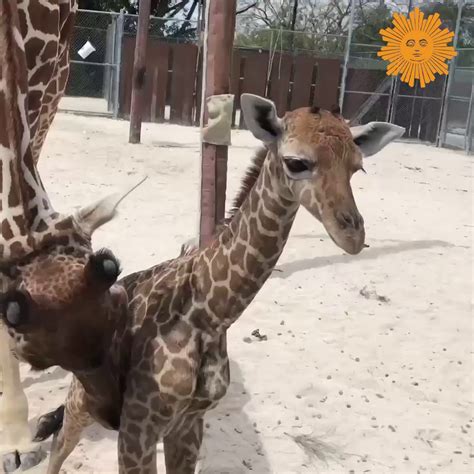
{"points": [[416, 48]]}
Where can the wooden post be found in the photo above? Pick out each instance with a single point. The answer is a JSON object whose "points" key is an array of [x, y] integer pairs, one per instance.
{"points": [[139, 72], [218, 44]]}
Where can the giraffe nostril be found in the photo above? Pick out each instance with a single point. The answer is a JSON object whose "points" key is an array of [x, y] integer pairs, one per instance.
{"points": [[345, 219]]}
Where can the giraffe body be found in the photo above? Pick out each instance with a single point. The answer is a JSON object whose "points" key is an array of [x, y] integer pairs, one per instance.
{"points": [[163, 354], [34, 39]]}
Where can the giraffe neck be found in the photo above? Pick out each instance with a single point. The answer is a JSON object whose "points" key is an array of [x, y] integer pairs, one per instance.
{"points": [[245, 254], [47, 35], [25, 206]]}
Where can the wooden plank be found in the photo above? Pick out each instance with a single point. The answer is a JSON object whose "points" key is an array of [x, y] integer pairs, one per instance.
{"points": [[159, 58], [148, 85], [279, 87], [302, 75], [254, 74], [128, 50], [183, 83], [327, 82]]}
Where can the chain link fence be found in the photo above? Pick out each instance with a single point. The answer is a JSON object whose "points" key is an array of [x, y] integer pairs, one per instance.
{"points": [[441, 113], [457, 128], [94, 81]]}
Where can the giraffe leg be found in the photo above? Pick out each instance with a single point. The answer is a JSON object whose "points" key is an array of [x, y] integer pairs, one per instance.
{"points": [[76, 418], [138, 435], [16, 446], [182, 447]]}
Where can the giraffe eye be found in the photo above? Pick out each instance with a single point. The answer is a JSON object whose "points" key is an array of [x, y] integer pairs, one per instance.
{"points": [[298, 168], [14, 308], [104, 266]]}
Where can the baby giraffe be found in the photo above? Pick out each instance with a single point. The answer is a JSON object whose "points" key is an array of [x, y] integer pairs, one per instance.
{"points": [[161, 363]]}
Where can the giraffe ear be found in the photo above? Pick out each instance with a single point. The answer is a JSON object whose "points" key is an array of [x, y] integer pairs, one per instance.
{"points": [[90, 217], [374, 136], [261, 118]]}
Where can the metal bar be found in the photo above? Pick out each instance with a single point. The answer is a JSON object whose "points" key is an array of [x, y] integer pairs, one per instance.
{"points": [[367, 93], [390, 98], [372, 45], [139, 71], [469, 123], [90, 63], [461, 99], [218, 43], [83, 10], [108, 78], [342, 90], [457, 98], [118, 63], [452, 69], [394, 99], [80, 10], [323, 35]]}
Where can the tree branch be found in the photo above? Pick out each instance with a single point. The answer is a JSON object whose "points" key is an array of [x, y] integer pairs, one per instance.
{"points": [[246, 9]]}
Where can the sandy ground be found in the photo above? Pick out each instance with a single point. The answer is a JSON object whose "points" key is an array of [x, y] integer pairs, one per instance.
{"points": [[367, 366]]}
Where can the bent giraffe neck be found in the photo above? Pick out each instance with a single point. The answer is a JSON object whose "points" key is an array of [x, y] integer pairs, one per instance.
{"points": [[25, 206], [233, 269], [105, 384]]}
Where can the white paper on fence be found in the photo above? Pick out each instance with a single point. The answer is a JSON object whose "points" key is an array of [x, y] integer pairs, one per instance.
{"points": [[86, 50]]}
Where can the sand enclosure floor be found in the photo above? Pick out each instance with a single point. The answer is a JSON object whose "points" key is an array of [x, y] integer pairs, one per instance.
{"points": [[367, 364]]}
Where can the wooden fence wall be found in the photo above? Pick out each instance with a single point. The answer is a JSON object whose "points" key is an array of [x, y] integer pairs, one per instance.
{"points": [[173, 85]]}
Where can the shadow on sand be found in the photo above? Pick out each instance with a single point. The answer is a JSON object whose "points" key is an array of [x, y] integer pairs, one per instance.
{"points": [[287, 269], [232, 444]]}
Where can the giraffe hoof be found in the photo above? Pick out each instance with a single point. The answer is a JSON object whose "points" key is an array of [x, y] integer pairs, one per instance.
{"points": [[31, 459], [11, 462], [49, 424]]}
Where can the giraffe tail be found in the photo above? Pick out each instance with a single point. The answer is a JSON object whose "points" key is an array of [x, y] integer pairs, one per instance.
{"points": [[49, 424]]}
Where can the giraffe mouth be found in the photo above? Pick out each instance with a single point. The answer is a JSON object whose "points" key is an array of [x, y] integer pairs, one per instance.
{"points": [[352, 244], [351, 241]]}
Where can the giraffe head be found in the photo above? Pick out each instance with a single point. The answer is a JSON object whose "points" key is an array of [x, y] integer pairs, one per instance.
{"points": [[62, 297], [57, 295], [317, 154]]}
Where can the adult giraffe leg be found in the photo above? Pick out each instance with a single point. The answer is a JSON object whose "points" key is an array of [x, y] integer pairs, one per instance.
{"points": [[16, 446], [182, 447], [76, 418]]}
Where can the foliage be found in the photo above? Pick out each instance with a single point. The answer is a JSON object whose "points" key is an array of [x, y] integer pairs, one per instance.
{"points": [[185, 10]]}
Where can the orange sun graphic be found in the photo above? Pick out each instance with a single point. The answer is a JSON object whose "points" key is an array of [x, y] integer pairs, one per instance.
{"points": [[416, 48]]}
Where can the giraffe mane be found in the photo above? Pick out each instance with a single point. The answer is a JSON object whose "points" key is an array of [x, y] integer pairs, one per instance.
{"points": [[248, 181]]}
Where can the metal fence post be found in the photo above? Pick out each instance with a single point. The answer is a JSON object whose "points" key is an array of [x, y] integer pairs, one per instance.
{"points": [[342, 90], [118, 61], [452, 69], [469, 124]]}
